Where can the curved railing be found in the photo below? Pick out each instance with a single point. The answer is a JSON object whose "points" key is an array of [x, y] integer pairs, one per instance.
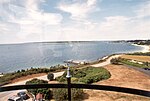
{"points": [[83, 86], [70, 85]]}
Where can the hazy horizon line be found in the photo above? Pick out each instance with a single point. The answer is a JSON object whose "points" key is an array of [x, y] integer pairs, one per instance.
{"points": [[66, 41]]}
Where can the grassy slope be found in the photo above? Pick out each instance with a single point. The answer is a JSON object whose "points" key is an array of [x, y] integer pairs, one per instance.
{"points": [[137, 57]]}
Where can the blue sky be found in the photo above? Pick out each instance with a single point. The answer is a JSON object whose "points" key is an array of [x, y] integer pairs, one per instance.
{"points": [[71, 20]]}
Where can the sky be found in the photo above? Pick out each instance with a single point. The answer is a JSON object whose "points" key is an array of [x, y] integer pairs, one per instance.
{"points": [[73, 20]]}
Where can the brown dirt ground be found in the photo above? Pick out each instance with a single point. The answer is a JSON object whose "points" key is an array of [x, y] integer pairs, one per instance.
{"points": [[27, 77], [123, 77], [137, 57], [120, 76]]}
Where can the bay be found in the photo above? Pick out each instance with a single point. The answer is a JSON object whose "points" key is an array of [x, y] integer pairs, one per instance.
{"points": [[15, 57]]}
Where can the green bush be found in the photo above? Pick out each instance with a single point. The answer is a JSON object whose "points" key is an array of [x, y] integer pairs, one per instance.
{"points": [[86, 75], [79, 74], [46, 92], [50, 76], [114, 61], [61, 79], [11, 76], [61, 94], [93, 78]]}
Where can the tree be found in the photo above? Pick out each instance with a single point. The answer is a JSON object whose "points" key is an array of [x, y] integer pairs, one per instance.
{"points": [[46, 92], [114, 61], [61, 94], [50, 76], [146, 63]]}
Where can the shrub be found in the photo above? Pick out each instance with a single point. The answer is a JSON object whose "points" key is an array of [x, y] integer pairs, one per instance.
{"points": [[60, 79], [11, 76], [93, 78], [73, 79], [79, 74], [61, 94], [114, 61], [140, 53], [46, 92], [86, 75], [50, 76]]}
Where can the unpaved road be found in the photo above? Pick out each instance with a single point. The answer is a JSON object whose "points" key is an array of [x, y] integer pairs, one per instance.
{"points": [[105, 62], [5, 95]]}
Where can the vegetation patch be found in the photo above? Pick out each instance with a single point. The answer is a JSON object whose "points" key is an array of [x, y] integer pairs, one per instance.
{"points": [[50, 76], [130, 62], [8, 77], [86, 75], [136, 64], [140, 54], [44, 91], [140, 42], [61, 94], [115, 61]]}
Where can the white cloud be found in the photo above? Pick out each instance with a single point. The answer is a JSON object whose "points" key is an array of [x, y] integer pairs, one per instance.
{"points": [[122, 27], [4, 1], [30, 14], [144, 10], [24, 21], [33, 4], [112, 28], [27, 15], [114, 24], [78, 9]]}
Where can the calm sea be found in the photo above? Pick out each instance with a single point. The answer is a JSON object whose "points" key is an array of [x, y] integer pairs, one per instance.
{"points": [[14, 57]]}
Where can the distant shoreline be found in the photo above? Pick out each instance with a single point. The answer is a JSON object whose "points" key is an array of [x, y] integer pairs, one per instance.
{"points": [[106, 59], [146, 48]]}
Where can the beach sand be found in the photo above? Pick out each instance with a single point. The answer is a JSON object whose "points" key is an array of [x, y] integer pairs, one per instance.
{"points": [[146, 48]]}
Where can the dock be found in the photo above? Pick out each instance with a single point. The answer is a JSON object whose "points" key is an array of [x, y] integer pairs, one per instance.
{"points": [[75, 62]]}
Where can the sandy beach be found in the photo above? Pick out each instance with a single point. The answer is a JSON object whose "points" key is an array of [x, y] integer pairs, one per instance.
{"points": [[146, 48]]}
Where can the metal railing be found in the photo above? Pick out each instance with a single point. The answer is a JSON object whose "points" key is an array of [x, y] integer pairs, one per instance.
{"points": [[83, 86], [70, 85]]}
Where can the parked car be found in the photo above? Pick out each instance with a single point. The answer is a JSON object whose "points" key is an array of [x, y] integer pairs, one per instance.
{"points": [[146, 68], [23, 95], [15, 98]]}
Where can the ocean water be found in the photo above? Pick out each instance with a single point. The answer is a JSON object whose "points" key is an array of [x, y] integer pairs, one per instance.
{"points": [[14, 57]]}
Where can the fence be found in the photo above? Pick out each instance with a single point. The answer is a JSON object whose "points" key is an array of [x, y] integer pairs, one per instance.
{"points": [[70, 85]]}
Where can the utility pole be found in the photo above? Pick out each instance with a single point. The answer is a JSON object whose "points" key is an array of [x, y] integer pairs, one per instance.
{"points": [[68, 76]]}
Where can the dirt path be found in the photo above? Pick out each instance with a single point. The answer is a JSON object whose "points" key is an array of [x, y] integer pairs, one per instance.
{"points": [[121, 76], [105, 62], [27, 77], [43, 75], [21, 81]]}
